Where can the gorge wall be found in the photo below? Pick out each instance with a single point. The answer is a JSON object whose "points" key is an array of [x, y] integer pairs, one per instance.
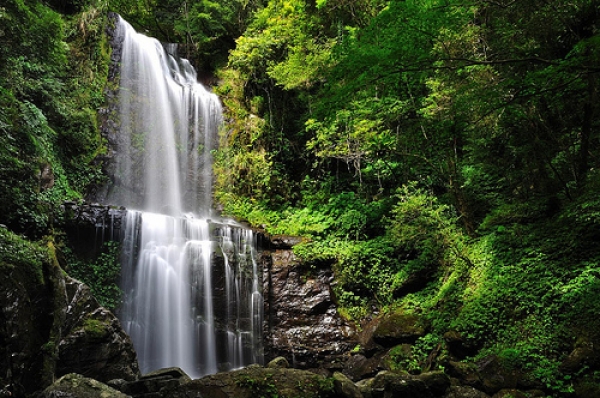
{"points": [[301, 320]]}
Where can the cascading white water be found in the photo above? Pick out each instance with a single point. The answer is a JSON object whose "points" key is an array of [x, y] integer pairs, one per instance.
{"points": [[192, 296]]}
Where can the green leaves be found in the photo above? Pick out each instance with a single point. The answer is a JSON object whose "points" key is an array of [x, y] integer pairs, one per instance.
{"points": [[101, 274]]}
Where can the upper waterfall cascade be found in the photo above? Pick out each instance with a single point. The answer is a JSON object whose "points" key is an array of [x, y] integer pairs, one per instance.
{"points": [[192, 296]]}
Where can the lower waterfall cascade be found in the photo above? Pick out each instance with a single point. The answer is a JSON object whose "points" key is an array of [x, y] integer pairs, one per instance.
{"points": [[192, 287]]}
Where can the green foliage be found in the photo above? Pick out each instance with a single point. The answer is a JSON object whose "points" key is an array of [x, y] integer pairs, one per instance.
{"points": [[414, 359], [20, 254], [262, 387], [53, 72], [101, 274]]}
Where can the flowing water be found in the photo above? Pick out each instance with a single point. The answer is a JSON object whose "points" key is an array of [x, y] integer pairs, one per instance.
{"points": [[192, 293]]}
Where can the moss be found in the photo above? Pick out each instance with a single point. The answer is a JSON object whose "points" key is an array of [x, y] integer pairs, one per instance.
{"points": [[400, 325], [17, 252], [95, 329]]}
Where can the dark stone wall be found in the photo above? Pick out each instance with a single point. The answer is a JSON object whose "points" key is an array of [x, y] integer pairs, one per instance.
{"points": [[301, 319]]}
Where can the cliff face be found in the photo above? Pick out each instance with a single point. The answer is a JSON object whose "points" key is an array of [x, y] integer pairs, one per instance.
{"points": [[51, 324], [301, 320]]}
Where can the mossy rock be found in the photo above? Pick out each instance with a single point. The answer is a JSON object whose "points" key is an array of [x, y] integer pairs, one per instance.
{"points": [[76, 386], [257, 381], [399, 328]]}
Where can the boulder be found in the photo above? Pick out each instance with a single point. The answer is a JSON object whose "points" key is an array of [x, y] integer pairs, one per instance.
{"points": [[458, 346], [512, 393], [495, 376], [359, 367], [253, 382], [160, 382], [585, 354], [279, 363], [399, 328], [464, 392], [77, 386], [344, 387], [50, 325], [389, 384], [437, 382], [465, 372], [93, 343], [365, 386], [490, 374]]}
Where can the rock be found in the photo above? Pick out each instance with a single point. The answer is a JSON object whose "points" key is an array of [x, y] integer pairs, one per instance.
{"points": [[495, 376], [490, 374], [585, 354], [466, 373], [359, 367], [344, 387], [46, 177], [437, 382], [158, 383], [26, 318], [253, 382], [284, 241], [458, 346], [464, 392], [587, 387], [50, 325], [510, 393], [93, 343], [301, 320], [387, 384], [365, 387], [399, 328], [76, 386], [279, 363]]}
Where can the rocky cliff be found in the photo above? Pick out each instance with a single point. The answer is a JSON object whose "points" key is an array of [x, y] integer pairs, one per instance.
{"points": [[51, 325], [301, 320]]}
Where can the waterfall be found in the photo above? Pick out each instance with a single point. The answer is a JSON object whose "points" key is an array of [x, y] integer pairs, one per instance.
{"points": [[192, 296]]}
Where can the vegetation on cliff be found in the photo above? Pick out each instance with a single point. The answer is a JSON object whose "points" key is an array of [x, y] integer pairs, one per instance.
{"points": [[443, 156]]}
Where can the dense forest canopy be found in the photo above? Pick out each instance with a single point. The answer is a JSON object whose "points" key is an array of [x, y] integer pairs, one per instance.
{"points": [[442, 155]]}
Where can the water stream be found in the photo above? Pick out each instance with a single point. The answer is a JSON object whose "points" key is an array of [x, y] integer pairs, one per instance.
{"points": [[192, 292]]}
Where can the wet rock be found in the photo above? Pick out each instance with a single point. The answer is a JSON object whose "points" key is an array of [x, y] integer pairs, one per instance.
{"points": [[344, 387], [77, 386], [301, 319]]}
